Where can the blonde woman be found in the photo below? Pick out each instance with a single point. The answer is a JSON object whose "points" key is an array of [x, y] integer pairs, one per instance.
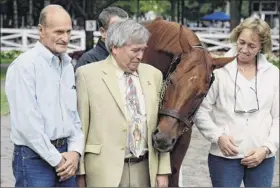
{"points": [[240, 115]]}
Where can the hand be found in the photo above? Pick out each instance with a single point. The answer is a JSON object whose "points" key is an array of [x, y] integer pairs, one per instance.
{"points": [[62, 161], [81, 180], [162, 181], [68, 169], [227, 145], [254, 157]]}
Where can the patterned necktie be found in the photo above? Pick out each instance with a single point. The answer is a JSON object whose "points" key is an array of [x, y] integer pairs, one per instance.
{"points": [[135, 136]]}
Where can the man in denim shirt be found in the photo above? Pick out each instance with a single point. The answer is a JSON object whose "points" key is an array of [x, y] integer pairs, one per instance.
{"points": [[41, 91]]}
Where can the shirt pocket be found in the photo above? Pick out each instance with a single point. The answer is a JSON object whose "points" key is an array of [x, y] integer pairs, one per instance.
{"points": [[70, 97]]}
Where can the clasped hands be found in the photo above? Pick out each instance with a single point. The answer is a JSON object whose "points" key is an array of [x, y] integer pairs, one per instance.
{"points": [[68, 165], [229, 148]]}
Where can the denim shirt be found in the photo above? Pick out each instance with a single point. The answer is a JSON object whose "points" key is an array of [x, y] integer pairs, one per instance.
{"points": [[43, 103]]}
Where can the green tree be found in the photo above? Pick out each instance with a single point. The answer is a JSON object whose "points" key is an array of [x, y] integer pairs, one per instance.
{"points": [[160, 7], [90, 12], [235, 16], [195, 9]]}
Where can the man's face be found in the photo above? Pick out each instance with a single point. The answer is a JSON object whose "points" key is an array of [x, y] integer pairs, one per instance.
{"points": [[129, 56], [55, 35]]}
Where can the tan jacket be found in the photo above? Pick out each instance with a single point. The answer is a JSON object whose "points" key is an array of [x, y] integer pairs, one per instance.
{"points": [[104, 124]]}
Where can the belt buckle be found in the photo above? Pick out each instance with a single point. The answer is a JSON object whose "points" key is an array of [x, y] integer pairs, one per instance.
{"points": [[59, 143]]}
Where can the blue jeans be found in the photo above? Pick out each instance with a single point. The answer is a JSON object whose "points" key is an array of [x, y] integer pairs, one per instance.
{"points": [[30, 170], [230, 172]]}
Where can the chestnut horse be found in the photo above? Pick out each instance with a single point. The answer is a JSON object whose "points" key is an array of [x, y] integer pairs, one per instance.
{"points": [[187, 69]]}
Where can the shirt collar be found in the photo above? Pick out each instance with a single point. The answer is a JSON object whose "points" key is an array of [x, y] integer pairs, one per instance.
{"points": [[119, 71], [262, 62], [50, 57]]}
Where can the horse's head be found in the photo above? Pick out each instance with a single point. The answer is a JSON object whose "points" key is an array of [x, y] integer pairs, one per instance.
{"points": [[186, 87]]}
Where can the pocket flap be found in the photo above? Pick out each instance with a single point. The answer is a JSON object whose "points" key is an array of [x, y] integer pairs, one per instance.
{"points": [[93, 148]]}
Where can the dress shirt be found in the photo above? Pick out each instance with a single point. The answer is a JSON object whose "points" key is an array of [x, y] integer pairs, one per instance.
{"points": [[122, 85], [42, 98]]}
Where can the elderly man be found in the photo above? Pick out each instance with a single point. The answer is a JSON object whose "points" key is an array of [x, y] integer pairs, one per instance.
{"points": [[118, 105], [99, 52], [45, 126]]}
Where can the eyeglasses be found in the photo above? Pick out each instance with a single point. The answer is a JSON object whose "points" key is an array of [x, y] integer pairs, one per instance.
{"points": [[255, 91]]}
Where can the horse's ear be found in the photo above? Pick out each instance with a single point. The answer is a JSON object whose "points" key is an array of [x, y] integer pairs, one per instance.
{"points": [[220, 62]]}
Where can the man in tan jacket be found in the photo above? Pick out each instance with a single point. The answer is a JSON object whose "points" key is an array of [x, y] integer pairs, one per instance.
{"points": [[118, 106]]}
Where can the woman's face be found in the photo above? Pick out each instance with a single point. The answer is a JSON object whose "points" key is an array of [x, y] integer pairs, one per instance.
{"points": [[248, 45]]}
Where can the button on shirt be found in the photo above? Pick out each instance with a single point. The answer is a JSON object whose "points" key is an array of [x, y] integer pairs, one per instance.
{"points": [[43, 104]]}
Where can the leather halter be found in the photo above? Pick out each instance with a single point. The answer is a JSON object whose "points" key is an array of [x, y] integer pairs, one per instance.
{"points": [[187, 120]]}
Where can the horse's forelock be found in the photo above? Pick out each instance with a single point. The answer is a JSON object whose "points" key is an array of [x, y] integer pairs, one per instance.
{"points": [[165, 35], [193, 58]]}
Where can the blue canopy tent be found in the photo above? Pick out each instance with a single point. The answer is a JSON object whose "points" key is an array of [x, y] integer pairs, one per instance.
{"points": [[216, 16]]}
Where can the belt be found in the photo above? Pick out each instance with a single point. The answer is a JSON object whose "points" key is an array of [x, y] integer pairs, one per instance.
{"points": [[136, 160], [59, 142]]}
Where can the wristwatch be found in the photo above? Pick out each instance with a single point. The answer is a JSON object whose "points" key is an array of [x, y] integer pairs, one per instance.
{"points": [[267, 151]]}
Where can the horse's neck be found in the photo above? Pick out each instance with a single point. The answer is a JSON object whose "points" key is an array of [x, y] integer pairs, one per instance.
{"points": [[157, 59], [165, 37], [172, 37]]}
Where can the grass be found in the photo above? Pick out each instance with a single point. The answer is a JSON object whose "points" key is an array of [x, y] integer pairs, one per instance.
{"points": [[276, 63], [6, 60], [4, 103], [3, 73]]}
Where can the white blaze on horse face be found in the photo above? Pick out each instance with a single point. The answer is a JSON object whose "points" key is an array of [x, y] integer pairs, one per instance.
{"points": [[193, 78]]}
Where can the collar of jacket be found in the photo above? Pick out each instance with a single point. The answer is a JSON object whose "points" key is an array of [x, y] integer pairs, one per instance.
{"points": [[101, 45], [262, 63]]}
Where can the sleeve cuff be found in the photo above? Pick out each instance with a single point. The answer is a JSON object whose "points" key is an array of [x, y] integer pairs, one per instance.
{"points": [[164, 163], [272, 149], [75, 147], [215, 137], [54, 159]]}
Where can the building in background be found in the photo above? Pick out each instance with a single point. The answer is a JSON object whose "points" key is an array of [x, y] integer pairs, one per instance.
{"points": [[267, 10]]}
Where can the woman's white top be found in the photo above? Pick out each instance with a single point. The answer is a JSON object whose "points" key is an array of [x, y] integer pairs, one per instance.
{"points": [[216, 115]]}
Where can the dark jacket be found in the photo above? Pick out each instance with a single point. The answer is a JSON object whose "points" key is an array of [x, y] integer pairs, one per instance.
{"points": [[98, 53]]}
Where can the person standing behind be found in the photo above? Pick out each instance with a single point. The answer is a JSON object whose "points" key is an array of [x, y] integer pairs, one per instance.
{"points": [[118, 118], [45, 126], [99, 52], [240, 115]]}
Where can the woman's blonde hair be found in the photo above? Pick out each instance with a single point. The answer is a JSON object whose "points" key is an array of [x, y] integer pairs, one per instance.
{"points": [[260, 27]]}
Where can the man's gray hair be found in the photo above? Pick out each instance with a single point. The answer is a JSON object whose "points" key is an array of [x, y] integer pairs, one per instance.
{"points": [[105, 16], [126, 32]]}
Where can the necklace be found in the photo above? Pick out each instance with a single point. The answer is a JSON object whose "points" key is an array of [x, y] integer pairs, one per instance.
{"points": [[243, 69]]}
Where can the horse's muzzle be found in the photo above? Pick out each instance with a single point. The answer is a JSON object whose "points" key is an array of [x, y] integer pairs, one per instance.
{"points": [[161, 142]]}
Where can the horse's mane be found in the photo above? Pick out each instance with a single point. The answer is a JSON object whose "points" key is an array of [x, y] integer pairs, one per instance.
{"points": [[170, 36]]}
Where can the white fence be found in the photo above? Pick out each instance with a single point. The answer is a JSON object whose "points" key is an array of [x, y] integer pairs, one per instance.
{"points": [[22, 39]]}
